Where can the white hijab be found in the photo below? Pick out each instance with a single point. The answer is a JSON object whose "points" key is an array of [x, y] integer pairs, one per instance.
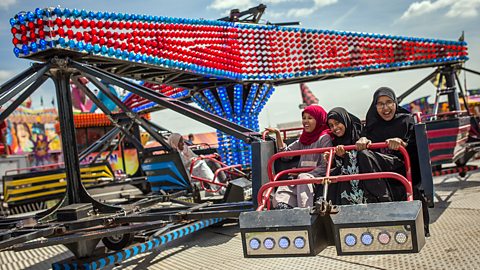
{"points": [[200, 169]]}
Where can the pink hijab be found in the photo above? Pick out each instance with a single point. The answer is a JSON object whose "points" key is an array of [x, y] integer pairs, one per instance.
{"points": [[321, 128]]}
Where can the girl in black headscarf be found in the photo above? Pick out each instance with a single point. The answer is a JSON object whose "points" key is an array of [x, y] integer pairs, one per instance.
{"points": [[346, 129], [390, 123]]}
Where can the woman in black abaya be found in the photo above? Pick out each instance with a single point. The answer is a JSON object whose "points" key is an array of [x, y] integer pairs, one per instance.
{"points": [[346, 129], [390, 123]]}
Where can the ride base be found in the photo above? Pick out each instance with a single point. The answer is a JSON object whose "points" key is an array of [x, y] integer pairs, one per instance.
{"points": [[454, 244]]}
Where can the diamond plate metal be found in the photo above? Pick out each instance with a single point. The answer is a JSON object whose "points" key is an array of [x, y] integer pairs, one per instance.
{"points": [[455, 243]]}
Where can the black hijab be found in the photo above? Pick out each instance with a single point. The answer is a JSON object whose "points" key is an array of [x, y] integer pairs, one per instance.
{"points": [[379, 130], [353, 126]]}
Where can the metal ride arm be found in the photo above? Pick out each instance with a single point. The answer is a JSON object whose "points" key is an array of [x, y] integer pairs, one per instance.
{"points": [[214, 121], [104, 140], [418, 85], [265, 190], [138, 145], [134, 117], [252, 15]]}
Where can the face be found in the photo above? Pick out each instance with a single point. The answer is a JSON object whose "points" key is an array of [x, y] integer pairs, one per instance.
{"points": [[337, 128], [22, 133], [386, 108], [309, 123], [180, 144]]}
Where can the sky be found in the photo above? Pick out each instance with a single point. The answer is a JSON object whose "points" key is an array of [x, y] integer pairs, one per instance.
{"points": [[438, 19]]}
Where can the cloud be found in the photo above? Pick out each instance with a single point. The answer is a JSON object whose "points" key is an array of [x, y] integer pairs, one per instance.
{"points": [[304, 12], [300, 12], [324, 3], [5, 4], [464, 8], [279, 1], [346, 15], [231, 4], [5, 75], [456, 8]]}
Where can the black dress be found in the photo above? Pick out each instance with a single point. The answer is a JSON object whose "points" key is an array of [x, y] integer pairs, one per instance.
{"points": [[379, 130], [351, 192]]}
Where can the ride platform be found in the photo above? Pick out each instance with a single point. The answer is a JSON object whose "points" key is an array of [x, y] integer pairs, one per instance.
{"points": [[454, 244]]}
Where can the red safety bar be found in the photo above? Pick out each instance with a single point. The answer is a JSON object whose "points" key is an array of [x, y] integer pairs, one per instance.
{"points": [[283, 131], [232, 169], [263, 199], [418, 117]]}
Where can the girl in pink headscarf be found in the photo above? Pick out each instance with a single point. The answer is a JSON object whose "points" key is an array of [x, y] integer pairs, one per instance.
{"points": [[316, 134]]}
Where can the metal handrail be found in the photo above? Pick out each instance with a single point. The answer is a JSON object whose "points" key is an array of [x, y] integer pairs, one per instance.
{"points": [[262, 200], [232, 169], [271, 161]]}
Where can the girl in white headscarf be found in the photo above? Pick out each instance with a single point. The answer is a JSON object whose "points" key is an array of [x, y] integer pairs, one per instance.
{"points": [[200, 168]]}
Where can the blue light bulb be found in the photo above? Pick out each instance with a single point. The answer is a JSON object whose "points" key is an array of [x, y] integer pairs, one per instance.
{"points": [[13, 22], [16, 51], [72, 44], [84, 14], [33, 47], [30, 16], [67, 12], [21, 18], [25, 49], [43, 44], [76, 13], [89, 47], [80, 45], [57, 11], [39, 12]]}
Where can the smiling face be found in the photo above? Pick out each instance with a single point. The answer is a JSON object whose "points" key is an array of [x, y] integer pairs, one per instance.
{"points": [[386, 108], [337, 128], [309, 123]]}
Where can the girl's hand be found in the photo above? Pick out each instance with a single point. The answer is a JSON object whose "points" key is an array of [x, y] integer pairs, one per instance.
{"points": [[272, 130], [340, 150], [362, 143], [395, 143], [278, 137]]}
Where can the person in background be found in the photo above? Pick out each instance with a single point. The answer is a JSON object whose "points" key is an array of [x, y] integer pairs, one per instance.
{"points": [[200, 168], [315, 135], [190, 139], [390, 123]]}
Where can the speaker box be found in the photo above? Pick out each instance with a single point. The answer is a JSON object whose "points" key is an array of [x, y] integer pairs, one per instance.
{"points": [[238, 190], [284, 233], [379, 228]]}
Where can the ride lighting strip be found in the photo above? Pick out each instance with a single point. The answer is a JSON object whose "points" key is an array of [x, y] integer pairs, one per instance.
{"points": [[243, 107], [379, 228], [111, 259], [239, 52], [278, 243], [374, 239]]}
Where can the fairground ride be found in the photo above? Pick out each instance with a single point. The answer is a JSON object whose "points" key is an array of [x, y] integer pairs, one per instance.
{"points": [[229, 68]]}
